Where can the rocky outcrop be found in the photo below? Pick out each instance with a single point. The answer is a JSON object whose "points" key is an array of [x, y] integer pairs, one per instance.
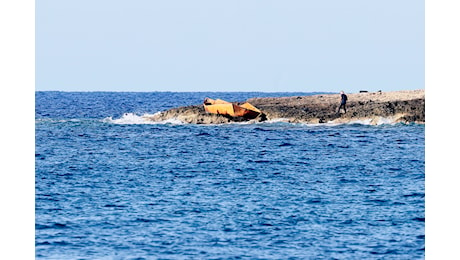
{"points": [[190, 114], [374, 107]]}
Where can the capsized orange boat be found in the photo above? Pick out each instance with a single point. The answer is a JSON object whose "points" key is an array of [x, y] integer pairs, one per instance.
{"points": [[222, 107]]}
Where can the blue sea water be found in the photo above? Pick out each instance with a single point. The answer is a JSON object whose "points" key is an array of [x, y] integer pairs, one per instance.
{"points": [[272, 190]]}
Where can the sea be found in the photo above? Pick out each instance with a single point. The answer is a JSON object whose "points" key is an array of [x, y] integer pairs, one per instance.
{"points": [[110, 185]]}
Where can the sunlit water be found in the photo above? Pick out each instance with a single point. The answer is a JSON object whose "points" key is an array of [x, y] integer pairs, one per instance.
{"points": [[125, 190]]}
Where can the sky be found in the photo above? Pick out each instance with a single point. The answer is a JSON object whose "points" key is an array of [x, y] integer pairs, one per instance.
{"points": [[229, 45]]}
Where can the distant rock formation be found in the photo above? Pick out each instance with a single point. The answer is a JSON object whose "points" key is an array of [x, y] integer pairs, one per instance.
{"points": [[371, 107]]}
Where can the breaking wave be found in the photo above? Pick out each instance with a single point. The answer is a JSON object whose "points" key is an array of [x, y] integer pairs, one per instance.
{"points": [[133, 119]]}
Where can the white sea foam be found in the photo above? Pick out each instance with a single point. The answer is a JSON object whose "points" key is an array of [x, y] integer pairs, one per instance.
{"points": [[51, 120], [173, 121], [386, 121], [363, 121], [278, 120], [375, 121], [367, 121], [133, 119], [127, 119]]}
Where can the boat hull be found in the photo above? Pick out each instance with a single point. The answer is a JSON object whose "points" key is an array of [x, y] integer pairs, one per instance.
{"points": [[222, 107]]}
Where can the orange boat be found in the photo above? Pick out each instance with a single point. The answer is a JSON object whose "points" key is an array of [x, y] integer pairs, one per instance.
{"points": [[222, 107]]}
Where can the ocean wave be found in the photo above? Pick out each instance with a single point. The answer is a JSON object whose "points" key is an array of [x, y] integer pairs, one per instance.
{"points": [[133, 119], [375, 121], [126, 119], [52, 120]]}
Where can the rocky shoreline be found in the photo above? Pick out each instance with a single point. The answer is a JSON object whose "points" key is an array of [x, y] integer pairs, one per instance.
{"points": [[369, 107]]}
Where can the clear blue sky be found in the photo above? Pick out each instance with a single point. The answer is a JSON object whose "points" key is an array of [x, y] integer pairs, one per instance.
{"points": [[229, 45]]}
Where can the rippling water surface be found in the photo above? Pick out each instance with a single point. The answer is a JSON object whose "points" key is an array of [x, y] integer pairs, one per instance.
{"points": [[266, 190]]}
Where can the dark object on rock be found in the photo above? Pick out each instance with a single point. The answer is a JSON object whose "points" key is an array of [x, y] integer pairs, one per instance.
{"points": [[263, 117], [363, 91], [343, 102]]}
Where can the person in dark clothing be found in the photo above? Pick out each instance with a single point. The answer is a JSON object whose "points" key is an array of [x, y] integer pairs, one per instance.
{"points": [[343, 102]]}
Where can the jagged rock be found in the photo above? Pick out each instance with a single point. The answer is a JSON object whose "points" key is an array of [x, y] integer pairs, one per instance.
{"points": [[398, 106]]}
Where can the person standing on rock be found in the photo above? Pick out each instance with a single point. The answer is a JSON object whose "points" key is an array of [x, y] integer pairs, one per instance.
{"points": [[343, 102]]}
